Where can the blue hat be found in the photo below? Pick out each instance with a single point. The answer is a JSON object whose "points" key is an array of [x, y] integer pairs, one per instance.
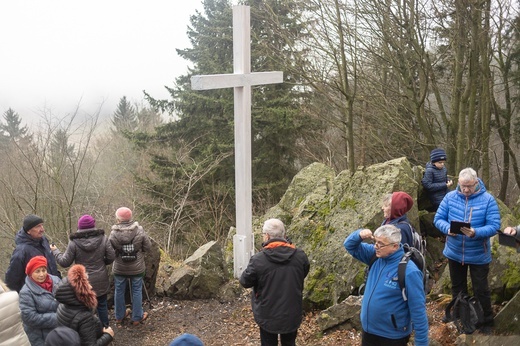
{"points": [[186, 340], [438, 155], [62, 335]]}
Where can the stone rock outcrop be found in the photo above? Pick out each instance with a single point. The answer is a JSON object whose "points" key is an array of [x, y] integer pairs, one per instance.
{"points": [[507, 321], [345, 313], [200, 276], [320, 209]]}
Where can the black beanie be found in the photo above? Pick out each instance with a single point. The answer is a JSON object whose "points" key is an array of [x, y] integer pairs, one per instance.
{"points": [[438, 155], [31, 221]]}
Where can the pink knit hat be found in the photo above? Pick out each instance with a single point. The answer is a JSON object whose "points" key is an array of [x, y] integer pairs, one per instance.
{"points": [[86, 222], [124, 214]]}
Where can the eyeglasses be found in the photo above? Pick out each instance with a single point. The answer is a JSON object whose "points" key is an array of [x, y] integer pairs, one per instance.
{"points": [[469, 186], [380, 245]]}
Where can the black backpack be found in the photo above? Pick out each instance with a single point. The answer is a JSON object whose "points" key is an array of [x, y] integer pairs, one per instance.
{"points": [[128, 253], [465, 311], [418, 241], [410, 253]]}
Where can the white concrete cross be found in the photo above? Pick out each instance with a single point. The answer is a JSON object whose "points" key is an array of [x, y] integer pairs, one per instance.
{"points": [[241, 80]]}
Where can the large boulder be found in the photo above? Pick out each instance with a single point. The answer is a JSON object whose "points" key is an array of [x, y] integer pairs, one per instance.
{"points": [[320, 209], [200, 276]]}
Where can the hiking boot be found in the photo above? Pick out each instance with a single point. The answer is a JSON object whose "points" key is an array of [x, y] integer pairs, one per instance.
{"points": [[145, 316]]}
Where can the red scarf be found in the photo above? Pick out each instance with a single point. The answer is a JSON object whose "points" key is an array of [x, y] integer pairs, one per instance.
{"points": [[46, 285]]}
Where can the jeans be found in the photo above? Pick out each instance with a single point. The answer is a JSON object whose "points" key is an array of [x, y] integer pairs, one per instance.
{"points": [[479, 281], [136, 293], [102, 310], [270, 339]]}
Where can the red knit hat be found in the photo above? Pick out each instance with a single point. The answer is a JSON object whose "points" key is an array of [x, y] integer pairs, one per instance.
{"points": [[35, 263], [124, 214], [401, 204]]}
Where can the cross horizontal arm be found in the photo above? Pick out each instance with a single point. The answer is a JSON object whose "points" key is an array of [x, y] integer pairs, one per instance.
{"points": [[219, 81]]}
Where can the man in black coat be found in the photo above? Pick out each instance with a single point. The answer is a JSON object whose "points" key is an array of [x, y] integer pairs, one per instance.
{"points": [[30, 242], [276, 275]]}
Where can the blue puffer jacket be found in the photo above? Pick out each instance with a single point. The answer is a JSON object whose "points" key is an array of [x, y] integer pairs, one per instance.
{"points": [[485, 220], [434, 182], [384, 311], [38, 308]]}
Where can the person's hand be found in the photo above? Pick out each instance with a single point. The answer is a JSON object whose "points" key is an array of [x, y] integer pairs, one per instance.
{"points": [[108, 330], [449, 183], [365, 234], [53, 247], [468, 232], [510, 231]]}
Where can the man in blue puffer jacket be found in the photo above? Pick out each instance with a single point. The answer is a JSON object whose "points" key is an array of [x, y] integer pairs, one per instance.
{"points": [[386, 318], [471, 203]]}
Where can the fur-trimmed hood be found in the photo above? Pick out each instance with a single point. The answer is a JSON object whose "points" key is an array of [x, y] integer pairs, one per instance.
{"points": [[76, 290], [88, 240]]}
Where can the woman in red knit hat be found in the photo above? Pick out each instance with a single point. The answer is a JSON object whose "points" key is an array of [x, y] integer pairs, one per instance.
{"points": [[37, 303]]}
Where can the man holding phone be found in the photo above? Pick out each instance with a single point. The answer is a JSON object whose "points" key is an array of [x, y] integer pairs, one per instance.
{"points": [[471, 203]]}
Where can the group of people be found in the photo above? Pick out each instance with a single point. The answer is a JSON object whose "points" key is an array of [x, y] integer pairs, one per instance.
{"points": [[57, 311], [386, 318], [277, 273], [52, 308]]}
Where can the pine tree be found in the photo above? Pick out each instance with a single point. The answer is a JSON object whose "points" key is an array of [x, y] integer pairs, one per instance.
{"points": [[125, 117], [205, 118], [12, 129]]}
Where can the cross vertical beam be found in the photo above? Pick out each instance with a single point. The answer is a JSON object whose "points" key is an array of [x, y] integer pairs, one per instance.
{"points": [[241, 80]]}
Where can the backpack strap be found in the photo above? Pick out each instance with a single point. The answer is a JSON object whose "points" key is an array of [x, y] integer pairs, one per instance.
{"points": [[401, 273]]}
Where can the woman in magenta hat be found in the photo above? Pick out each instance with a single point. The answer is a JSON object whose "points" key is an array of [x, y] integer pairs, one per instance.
{"points": [[37, 303], [90, 247]]}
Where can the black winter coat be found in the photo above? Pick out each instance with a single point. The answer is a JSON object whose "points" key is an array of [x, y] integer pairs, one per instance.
{"points": [[26, 248], [74, 314], [434, 182], [276, 275]]}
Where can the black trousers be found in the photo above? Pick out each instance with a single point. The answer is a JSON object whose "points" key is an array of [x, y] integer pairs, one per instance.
{"points": [[368, 339], [479, 282], [270, 339]]}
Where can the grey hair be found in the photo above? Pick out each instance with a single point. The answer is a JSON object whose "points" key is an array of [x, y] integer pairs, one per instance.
{"points": [[275, 228], [387, 199], [468, 174], [390, 232]]}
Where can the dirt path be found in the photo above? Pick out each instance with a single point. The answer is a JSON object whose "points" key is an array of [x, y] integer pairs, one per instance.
{"points": [[232, 324]]}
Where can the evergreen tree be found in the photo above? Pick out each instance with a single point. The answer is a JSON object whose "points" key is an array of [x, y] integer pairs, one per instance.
{"points": [[12, 129], [205, 118], [125, 117]]}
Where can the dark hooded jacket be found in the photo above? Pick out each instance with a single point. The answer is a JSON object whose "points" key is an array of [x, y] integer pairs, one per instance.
{"points": [[26, 248], [92, 249], [401, 204], [276, 275], [434, 182], [74, 314]]}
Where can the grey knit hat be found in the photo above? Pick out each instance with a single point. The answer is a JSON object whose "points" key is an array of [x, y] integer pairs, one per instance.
{"points": [[31, 221]]}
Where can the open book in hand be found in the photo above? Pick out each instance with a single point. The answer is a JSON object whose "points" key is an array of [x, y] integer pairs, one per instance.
{"points": [[508, 240], [455, 226]]}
